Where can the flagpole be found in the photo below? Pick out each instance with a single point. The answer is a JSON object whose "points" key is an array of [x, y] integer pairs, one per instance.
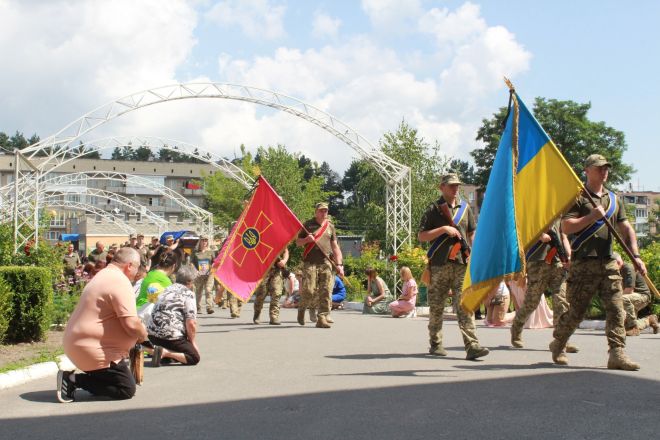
{"points": [[608, 223]]}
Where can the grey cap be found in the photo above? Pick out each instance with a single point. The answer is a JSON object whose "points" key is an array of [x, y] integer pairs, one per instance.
{"points": [[596, 160]]}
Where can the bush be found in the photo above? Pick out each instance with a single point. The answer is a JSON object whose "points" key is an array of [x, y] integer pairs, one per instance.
{"points": [[32, 302], [64, 301], [6, 296]]}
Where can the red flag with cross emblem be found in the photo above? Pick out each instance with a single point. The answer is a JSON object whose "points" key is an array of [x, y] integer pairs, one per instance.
{"points": [[264, 229]]}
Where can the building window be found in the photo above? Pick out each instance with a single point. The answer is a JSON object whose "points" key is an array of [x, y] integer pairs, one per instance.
{"points": [[471, 196], [641, 213], [52, 235]]}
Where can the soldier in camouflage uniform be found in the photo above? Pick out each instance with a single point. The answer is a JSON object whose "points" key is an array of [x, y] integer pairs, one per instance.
{"points": [[593, 269], [235, 305], [448, 271], [272, 285], [636, 296], [544, 272], [320, 240], [203, 260]]}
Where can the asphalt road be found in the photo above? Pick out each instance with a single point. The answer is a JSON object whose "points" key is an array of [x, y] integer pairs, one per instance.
{"points": [[367, 377]]}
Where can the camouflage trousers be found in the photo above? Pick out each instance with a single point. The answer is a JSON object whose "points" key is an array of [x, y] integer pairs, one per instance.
{"points": [[633, 303], [204, 289], [585, 279], [444, 278], [272, 285], [235, 305], [542, 277], [316, 290]]}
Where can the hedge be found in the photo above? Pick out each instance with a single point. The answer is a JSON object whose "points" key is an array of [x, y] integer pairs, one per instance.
{"points": [[6, 297], [32, 302]]}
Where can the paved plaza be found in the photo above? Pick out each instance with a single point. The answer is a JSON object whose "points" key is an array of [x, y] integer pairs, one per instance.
{"points": [[367, 377]]}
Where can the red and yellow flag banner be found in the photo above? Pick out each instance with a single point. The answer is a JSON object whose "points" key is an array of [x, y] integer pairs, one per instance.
{"points": [[264, 229]]}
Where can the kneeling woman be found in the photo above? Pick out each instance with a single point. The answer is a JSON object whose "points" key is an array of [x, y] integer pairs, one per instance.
{"points": [[173, 322], [379, 295], [405, 304]]}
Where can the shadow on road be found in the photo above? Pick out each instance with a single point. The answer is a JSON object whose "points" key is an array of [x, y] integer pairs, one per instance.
{"points": [[574, 404]]}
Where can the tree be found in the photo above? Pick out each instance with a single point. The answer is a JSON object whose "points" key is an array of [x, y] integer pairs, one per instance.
{"points": [[464, 170], [85, 152], [567, 124], [332, 185], [282, 170], [366, 203], [143, 153]]}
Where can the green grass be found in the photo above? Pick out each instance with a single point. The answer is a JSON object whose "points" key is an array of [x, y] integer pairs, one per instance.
{"points": [[41, 356]]}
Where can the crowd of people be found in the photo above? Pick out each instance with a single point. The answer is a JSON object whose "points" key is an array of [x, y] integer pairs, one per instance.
{"points": [[151, 295]]}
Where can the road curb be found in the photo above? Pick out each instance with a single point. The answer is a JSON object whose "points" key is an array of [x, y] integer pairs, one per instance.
{"points": [[37, 371]]}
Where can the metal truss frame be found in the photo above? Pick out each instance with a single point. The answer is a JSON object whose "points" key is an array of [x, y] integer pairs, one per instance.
{"points": [[59, 145], [117, 198], [201, 216], [56, 202]]}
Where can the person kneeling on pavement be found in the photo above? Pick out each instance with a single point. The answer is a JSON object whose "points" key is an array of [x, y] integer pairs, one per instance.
{"points": [[173, 324], [101, 330]]}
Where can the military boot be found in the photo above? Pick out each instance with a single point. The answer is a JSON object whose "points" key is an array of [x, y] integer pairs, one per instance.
{"points": [[329, 319], [619, 361], [570, 348], [437, 350], [516, 337], [301, 315], [312, 315], [476, 351], [558, 355], [321, 322], [633, 331], [274, 319], [653, 323], [257, 314]]}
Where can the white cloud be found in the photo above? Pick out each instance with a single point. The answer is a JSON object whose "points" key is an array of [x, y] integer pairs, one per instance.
{"points": [[101, 51], [256, 18], [325, 26], [391, 15], [372, 88], [96, 52], [454, 27]]}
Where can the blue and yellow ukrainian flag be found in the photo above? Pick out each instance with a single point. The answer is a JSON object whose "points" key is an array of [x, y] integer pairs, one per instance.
{"points": [[530, 184]]}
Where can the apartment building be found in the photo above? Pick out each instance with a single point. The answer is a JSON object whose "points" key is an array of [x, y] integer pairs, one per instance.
{"points": [[179, 177], [644, 203]]}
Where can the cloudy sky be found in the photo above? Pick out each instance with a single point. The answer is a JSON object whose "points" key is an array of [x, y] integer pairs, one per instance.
{"points": [[370, 63]]}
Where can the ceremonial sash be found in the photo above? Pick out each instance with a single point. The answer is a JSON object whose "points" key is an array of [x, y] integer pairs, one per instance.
{"points": [[533, 249], [439, 241], [595, 227], [319, 233]]}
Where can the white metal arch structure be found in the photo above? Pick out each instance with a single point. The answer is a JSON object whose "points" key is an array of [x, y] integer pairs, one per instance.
{"points": [[201, 216], [56, 202], [396, 175], [124, 201]]}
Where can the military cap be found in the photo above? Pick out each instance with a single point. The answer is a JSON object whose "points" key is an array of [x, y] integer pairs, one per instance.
{"points": [[140, 235], [169, 237], [321, 205], [596, 160], [131, 237], [203, 237], [450, 179]]}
